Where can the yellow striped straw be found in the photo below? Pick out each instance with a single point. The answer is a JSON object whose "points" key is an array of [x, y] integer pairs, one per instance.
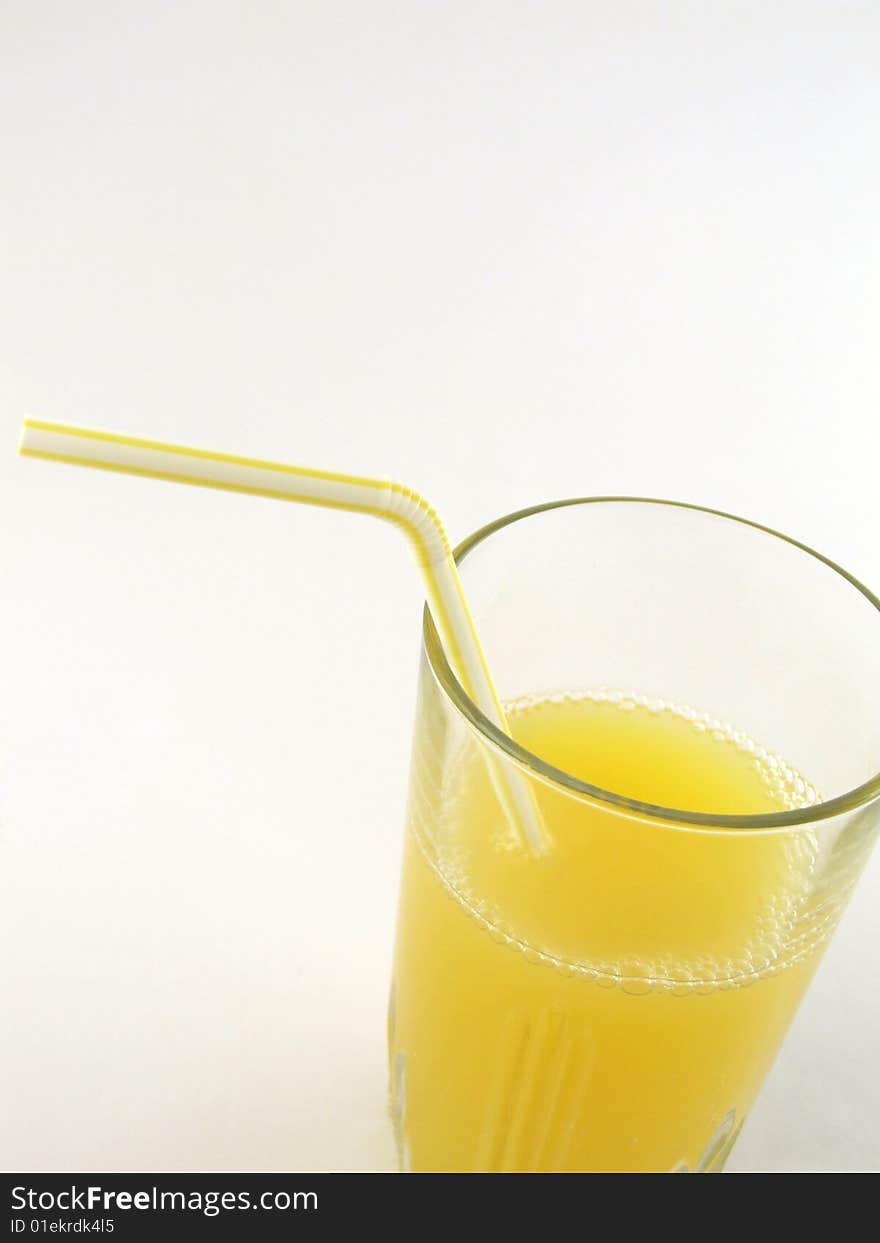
{"points": [[395, 503]]}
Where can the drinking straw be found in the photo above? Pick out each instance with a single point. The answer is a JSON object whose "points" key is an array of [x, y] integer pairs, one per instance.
{"points": [[395, 503]]}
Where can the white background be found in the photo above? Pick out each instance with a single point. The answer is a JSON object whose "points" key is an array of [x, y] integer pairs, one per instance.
{"points": [[504, 251]]}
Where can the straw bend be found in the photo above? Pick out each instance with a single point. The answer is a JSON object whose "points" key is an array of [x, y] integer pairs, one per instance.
{"points": [[420, 521]]}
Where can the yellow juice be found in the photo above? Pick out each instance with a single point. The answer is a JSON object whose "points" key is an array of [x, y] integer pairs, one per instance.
{"points": [[616, 1003]]}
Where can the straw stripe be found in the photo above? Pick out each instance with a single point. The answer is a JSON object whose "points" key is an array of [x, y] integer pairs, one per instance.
{"points": [[168, 462]]}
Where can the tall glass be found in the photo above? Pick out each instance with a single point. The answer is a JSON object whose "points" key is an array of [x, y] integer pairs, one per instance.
{"points": [[615, 1003]]}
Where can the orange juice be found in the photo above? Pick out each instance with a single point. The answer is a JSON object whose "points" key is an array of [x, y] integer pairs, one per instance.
{"points": [[615, 1003]]}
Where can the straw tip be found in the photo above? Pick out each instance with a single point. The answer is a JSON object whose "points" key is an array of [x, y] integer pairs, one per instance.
{"points": [[30, 429], [23, 435]]}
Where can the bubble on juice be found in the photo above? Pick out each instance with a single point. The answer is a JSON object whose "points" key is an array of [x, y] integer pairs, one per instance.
{"points": [[777, 934]]}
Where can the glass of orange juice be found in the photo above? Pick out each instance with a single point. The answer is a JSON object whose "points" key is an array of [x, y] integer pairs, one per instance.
{"points": [[693, 699]]}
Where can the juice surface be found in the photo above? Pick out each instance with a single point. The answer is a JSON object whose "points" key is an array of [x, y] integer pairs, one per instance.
{"points": [[615, 1004]]}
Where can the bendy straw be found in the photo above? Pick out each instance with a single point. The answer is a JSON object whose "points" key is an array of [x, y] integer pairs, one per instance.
{"points": [[382, 498]]}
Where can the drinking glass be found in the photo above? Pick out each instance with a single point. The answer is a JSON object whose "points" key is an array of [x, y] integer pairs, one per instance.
{"points": [[615, 1002]]}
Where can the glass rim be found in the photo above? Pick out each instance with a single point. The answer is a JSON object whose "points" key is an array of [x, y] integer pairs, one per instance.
{"points": [[558, 778]]}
